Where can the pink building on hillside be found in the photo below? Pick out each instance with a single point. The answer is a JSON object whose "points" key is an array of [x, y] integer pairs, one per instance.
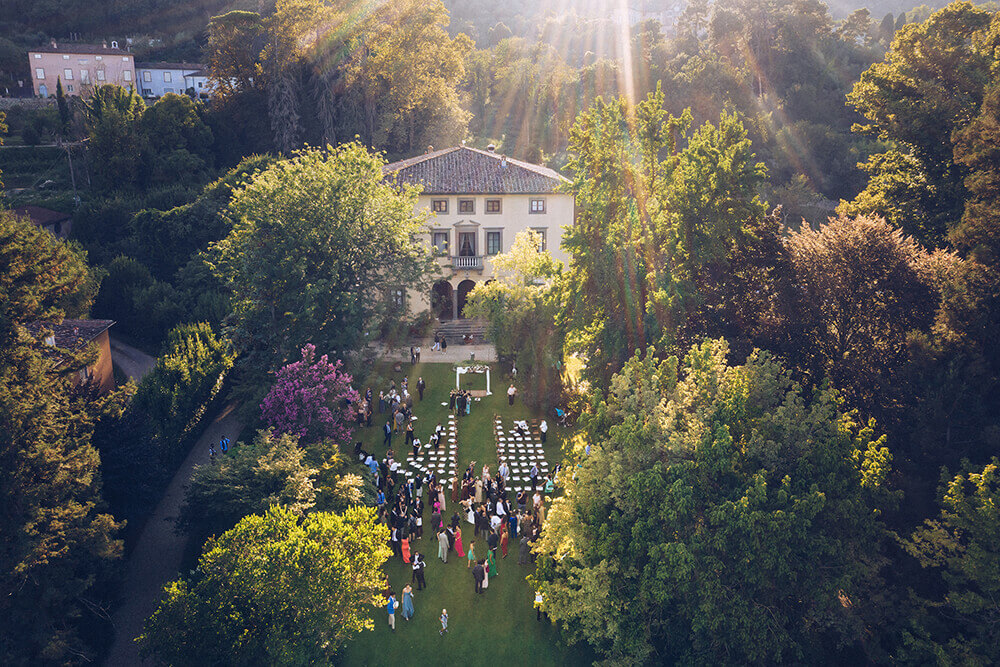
{"points": [[80, 67]]}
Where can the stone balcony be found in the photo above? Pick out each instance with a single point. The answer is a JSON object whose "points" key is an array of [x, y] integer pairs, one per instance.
{"points": [[467, 263]]}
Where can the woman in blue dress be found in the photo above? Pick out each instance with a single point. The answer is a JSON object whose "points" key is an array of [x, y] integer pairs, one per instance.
{"points": [[512, 522], [407, 602]]}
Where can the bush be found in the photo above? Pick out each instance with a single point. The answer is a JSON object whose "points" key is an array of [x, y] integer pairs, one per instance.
{"points": [[141, 450], [117, 298]]}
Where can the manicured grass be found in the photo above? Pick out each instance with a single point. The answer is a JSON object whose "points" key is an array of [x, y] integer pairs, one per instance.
{"points": [[498, 626]]}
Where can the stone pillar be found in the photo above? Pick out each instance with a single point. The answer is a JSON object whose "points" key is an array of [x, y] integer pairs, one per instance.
{"points": [[454, 304]]}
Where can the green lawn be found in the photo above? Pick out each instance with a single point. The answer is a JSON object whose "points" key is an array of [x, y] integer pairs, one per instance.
{"points": [[499, 626]]}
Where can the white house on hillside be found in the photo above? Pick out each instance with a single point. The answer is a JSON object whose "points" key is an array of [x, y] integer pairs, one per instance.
{"points": [[158, 79], [480, 201]]}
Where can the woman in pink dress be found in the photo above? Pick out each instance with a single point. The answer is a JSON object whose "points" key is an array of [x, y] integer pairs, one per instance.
{"points": [[458, 542]]}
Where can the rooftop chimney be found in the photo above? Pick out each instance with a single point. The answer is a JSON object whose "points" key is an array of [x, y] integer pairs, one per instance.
{"points": [[491, 148]]}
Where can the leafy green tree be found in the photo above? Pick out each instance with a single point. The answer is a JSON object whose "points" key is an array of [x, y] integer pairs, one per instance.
{"points": [[929, 85], [235, 41], [253, 476], [963, 544], [276, 589], [174, 130], [721, 517], [863, 287], [401, 77], [63, 106], [977, 147], [57, 539], [651, 231], [317, 243], [142, 448], [520, 305], [117, 148], [176, 392], [44, 278]]}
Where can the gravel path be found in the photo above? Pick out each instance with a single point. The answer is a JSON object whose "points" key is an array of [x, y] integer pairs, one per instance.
{"points": [[157, 555], [455, 352], [133, 362]]}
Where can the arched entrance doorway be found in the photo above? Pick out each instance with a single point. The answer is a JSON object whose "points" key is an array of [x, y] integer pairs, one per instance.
{"points": [[43, 90], [464, 288], [441, 300]]}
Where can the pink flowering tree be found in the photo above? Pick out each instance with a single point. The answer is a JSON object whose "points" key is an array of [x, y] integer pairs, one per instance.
{"points": [[312, 399]]}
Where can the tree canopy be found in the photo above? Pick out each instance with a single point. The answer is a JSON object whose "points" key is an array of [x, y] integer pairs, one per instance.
{"points": [[317, 243], [277, 588], [722, 516]]}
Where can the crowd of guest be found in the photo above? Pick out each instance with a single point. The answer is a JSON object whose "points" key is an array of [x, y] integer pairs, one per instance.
{"points": [[486, 520]]}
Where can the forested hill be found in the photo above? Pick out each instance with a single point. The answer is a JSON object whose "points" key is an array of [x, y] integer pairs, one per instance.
{"points": [[178, 24]]}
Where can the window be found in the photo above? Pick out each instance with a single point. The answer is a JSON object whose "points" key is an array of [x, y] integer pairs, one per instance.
{"points": [[124, 59], [537, 206], [127, 75], [494, 242], [492, 205], [167, 77], [100, 75], [38, 56], [168, 90], [147, 75], [39, 73], [199, 84], [68, 74], [65, 57], [441, 242], [439, 205], [84, 76], [84, 374], [146, 92], [542, 231], [397, 297], [99, 57], [467, 244], [69, 88], [466, 205]]}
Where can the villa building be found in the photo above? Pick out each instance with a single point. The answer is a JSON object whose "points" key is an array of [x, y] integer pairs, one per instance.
{"points": [[76, 335], [158, 79], [79, 67], [480, 200]]}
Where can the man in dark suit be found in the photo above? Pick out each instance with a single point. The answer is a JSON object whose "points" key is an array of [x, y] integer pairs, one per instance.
{"points": [[421, 385], [418, 571], [478, 575], [387, 432]]}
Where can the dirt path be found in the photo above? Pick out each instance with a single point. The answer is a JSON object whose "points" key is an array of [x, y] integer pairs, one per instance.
{"points": [[157, 554], [132, 362]]}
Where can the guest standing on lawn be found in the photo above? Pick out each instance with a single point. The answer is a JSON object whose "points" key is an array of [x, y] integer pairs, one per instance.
{"points": [[407, 602], [458, 542], [444, 621], [511, 393], [443, 545], [472, 554], [418, 571], [478, 576], [391, 608], [421, 385]]}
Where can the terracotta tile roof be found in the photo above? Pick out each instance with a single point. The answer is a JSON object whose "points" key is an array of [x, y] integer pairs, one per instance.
{"points": [[41, 216], [464, 170], [82, 49], [71, 334]]}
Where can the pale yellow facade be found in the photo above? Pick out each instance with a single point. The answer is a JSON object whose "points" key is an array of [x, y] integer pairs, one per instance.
{"points": [[466, 230]]}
